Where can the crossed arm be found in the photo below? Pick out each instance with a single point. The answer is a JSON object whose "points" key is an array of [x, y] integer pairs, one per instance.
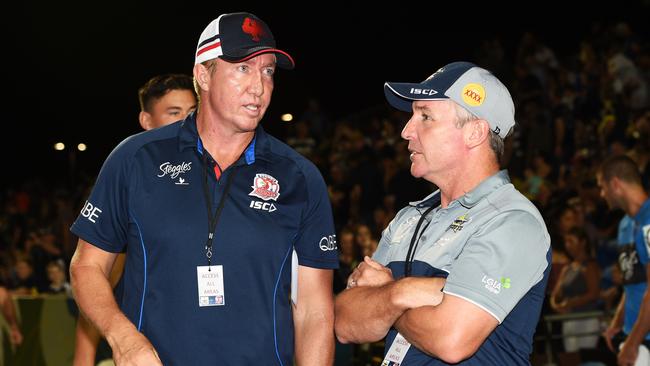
{"points": [[443, 326]]}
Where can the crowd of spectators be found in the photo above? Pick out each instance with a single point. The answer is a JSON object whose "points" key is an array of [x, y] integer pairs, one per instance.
{"points": [[573, 110]]}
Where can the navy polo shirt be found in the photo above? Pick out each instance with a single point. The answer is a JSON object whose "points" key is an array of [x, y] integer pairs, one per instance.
{"points": [[149, 201]]}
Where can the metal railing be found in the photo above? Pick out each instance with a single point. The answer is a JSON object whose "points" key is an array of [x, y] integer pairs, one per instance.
{"points": [[548, 337]]}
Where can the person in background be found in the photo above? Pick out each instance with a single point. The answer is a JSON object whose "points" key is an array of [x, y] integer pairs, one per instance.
{"points": [[577, 289], [165, 99], [620, 185], [25, 282], [56, 274]]}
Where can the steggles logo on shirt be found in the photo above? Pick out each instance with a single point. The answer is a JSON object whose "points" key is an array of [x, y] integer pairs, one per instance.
{"points": [[174, 170]]}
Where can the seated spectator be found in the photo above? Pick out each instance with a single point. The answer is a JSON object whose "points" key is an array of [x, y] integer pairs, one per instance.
{"points": [[366, 243], [56, 274], [578, 290], [24, 282]]}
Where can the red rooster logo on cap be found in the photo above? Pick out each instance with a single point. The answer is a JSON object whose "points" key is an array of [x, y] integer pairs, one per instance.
{"points": [[253, 27]]}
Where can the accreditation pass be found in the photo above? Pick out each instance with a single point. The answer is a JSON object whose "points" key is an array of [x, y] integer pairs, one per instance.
{"points": [[210, 281], [397, 351]]}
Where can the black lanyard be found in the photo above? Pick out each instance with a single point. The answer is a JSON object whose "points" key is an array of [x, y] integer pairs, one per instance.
{"points": [[213, 219], [415, 240]]}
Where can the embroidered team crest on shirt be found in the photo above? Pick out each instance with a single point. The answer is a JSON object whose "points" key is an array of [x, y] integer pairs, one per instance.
{"points": [[452, 231], [265, 187], [458, 223]]}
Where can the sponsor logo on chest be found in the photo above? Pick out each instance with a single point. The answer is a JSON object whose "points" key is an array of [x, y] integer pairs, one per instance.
{"points": [[174, 170]]}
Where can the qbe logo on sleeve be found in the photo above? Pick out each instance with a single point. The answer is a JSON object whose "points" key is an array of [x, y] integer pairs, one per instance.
{"points": [[90, 212], [328, 243]]}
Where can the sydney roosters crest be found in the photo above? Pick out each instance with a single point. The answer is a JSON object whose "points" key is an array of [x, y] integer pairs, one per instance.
{"points": [[265, 187], [253, 28]]}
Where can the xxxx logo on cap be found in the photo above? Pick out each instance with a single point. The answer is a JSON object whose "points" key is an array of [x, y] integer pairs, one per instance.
{"points": [[473, 94]]}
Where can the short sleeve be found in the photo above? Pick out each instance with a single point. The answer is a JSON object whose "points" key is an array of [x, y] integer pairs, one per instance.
{"points": [[315, 243], [381, 253], [500, 263], [103, 220]]}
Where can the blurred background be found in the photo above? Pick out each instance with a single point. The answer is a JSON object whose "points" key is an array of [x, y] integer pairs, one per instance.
{"points": [[580, 81]]}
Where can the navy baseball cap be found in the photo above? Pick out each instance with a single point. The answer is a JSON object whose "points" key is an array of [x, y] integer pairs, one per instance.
{"points": [[237, 37], [473, 87]]}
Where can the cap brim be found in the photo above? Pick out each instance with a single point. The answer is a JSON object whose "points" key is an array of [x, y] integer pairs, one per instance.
{"points": [[400, 95], [283, 59]]}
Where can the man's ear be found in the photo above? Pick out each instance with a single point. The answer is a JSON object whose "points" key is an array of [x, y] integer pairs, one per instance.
{"points": [[202, 76], [145, 120], [616, 185], [476, 131]]}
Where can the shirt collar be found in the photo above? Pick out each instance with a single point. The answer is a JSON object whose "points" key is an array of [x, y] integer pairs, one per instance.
{"points": [[431, 200], [484, 188], [472, 197], [644, 207], [259, 147]]}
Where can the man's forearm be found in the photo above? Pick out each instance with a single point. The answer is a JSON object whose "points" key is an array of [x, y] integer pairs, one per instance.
{"points": [[314, 339], [86, 340], [619, 314], [365, 314], [642, 323], [94, 295], [451, 331]]}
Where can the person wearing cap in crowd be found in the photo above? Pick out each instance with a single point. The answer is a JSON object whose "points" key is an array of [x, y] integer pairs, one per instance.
{"points": [[458, 277], [628, 334], [164, 99], [228, 232]]}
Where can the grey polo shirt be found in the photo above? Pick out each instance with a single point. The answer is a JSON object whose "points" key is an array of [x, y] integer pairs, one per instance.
{"points": [[494, 249]]}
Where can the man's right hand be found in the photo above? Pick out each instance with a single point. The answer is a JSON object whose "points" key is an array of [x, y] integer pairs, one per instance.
{"points": [[134, 349], [370, 273], [608, 334]]}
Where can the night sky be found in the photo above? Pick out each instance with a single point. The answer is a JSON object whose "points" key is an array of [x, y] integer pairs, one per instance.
{"points": [[73, 68]]}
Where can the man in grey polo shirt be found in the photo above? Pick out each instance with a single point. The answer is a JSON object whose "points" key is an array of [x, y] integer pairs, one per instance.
{"points": [[459, 276]]}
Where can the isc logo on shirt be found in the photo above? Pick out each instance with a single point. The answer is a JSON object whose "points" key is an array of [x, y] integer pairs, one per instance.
{"points": [[263, 206]]}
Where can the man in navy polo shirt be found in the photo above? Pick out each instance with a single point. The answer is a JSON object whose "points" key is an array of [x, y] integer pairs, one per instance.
{"points": [[458, 277], [228, 232], [164, 99]]}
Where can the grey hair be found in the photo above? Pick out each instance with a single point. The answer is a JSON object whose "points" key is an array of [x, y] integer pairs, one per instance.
{"points": [[211, 65], [496, 142]]}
